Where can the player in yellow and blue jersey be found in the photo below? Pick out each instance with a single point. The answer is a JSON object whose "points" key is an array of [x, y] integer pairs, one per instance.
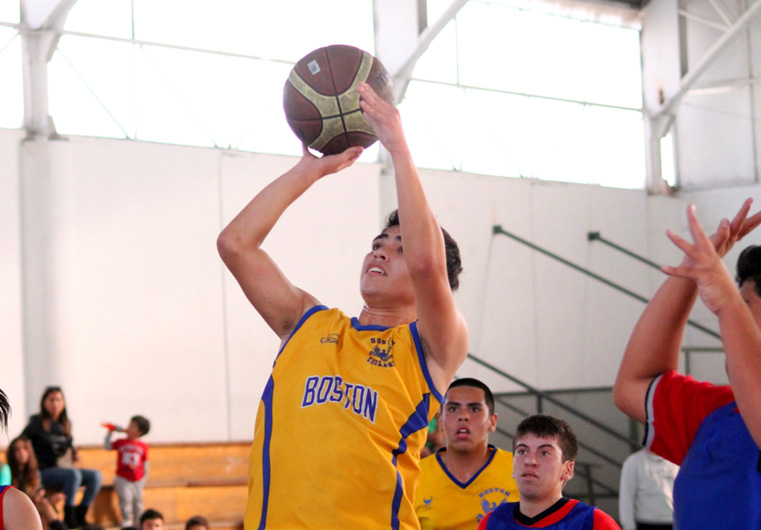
{"points": [[344, 416], [468, 477]]}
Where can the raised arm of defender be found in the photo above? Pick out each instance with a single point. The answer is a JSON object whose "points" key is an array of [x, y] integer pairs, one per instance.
{"points": [[655, 342], [442, 328], [277, 300]]}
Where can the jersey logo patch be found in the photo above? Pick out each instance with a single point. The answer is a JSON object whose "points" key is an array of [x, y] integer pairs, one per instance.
{"points": [[498, 497], [427, 502], [381, 354], [330, 339]]}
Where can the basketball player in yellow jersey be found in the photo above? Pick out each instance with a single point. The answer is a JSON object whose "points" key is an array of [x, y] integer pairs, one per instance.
{"points": [[468, 477], [345, 413]]}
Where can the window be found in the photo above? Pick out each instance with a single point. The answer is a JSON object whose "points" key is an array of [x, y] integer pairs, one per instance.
{"points": [[11, 89], [211, 77], [504, 90]]}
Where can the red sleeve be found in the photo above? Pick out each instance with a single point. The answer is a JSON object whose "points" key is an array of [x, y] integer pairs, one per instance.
{"points": [[676, 406], [482, 524], [603, 521]]}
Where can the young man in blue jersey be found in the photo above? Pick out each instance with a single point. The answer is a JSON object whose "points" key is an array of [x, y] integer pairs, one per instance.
{"points": [[468, 477], [544, 451], [712, 432], [354, 394]]}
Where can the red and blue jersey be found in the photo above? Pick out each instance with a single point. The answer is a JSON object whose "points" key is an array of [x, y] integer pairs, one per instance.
{"points": [[566, 514], [698, 426]]}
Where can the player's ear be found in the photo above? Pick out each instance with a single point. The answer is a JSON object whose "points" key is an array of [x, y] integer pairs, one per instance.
{"points": [[567, 470], [493, 422]]}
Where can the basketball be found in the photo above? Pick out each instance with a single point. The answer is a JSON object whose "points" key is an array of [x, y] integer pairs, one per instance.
{"points": [[321, 101]]}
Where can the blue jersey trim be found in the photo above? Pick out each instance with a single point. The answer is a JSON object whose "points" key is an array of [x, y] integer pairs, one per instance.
{"points": [[303, 319], [267, 401], [417, 421], [266, 465], [475, 476], [370, 327], [423, 363]]}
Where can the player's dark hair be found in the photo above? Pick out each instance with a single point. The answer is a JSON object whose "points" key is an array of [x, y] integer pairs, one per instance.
{"points": [[5, 410], [197, 521], [474, 383], [63, 419], [544, 426], [454, 263], [749, 267], [150, 514], [143, 424]]}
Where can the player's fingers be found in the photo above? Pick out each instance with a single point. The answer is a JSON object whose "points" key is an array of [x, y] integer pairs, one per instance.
{"points": [[679, 272], [742, 213], [684, 246], [750, 224], [698, 236]]}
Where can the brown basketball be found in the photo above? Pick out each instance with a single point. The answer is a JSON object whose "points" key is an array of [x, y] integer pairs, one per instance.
{"points": [[321, 101]]}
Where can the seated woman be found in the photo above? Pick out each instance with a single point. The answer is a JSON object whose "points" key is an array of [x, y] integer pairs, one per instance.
{"points": [[16, 509], [50, 434], [25, 476]]}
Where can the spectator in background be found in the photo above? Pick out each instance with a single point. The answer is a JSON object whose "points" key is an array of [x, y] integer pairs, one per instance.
{"points": [[17, 512], [151, 520], [50, 434], [25, 476], [131, 466], [645, 498], [5, 474], [197, 523]]}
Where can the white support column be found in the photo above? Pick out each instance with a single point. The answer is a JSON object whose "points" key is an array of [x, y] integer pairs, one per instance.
{"points": [[45, 211], [41, 23]]}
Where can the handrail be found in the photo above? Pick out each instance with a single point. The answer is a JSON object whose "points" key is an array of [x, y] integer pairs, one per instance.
{"points": [[595, 236], [497, 229], [555, 401]]}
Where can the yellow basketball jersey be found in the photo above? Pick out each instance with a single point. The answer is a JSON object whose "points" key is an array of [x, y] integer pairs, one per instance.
{"points": [[340, 427], [444, 503]]}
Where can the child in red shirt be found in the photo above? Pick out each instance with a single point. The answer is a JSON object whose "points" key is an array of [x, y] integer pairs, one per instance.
{"points": [[131, 467]]}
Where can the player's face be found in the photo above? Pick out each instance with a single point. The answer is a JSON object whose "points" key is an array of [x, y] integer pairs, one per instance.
{"points": [[54, 404], [153, 524], [538, 468], [384, 269], [466, 419], [748, 292]]}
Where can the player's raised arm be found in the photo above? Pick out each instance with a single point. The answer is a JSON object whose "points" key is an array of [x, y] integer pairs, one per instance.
{"points": [[277, 300], [442, 328], [740, 333], [655, 343]]}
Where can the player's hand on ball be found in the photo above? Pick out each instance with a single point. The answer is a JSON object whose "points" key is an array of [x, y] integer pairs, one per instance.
{"points": [[328, 164], [383, 118]]}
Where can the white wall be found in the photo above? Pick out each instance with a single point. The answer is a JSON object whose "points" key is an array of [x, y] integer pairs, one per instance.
{"points": [[11, 363], [130, 309]]}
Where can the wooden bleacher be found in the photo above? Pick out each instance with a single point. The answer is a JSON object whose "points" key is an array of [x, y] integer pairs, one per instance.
{"points": [[184, 480]]}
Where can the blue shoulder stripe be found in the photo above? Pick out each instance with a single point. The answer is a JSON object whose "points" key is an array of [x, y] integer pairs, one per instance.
{"points": [[423, 363]]}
